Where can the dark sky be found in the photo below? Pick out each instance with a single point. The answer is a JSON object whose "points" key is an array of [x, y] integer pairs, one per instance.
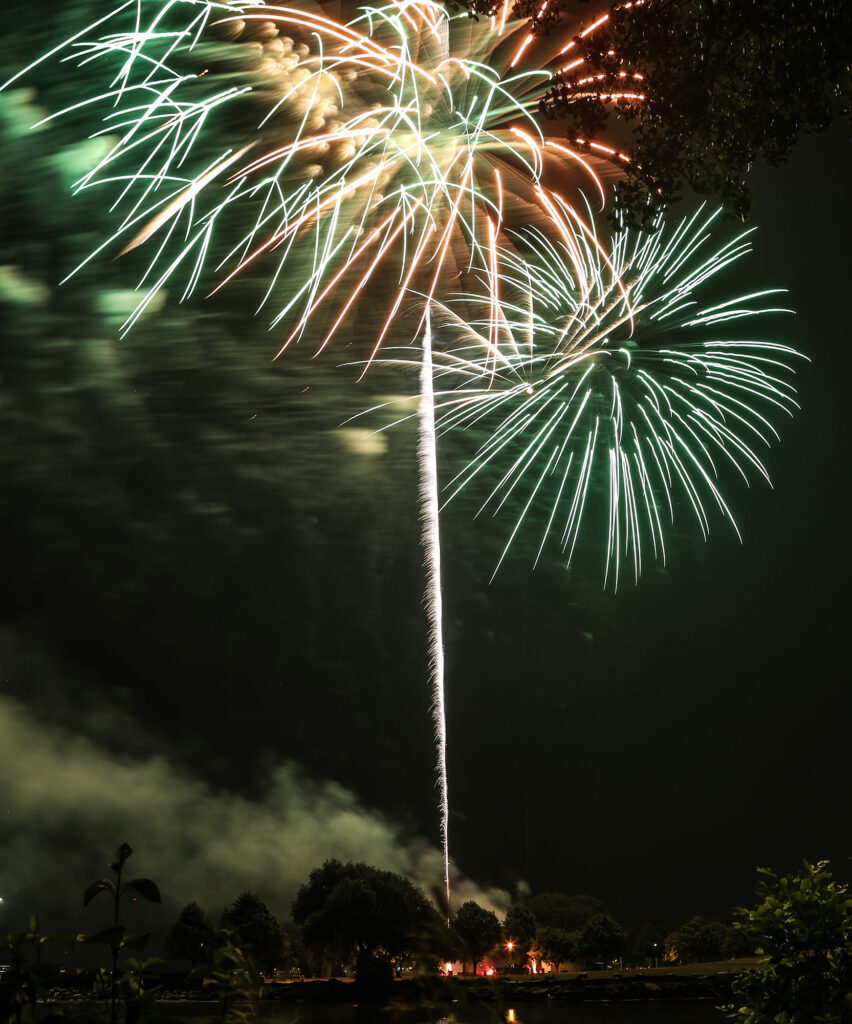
{"points": [[704, 731], [207, 580]]}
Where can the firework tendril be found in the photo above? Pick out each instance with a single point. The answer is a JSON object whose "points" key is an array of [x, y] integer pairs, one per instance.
{"points": [[624, 393], [384, 162], [335, 158]]}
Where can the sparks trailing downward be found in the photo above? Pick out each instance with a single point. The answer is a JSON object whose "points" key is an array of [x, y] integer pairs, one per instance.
{"points": [[330, 156], [394, 151], [430, 524], [610, 413], [378, 152]]}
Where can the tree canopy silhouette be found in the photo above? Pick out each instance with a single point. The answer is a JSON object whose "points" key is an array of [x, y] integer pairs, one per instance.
{"points": [[725, 83]]}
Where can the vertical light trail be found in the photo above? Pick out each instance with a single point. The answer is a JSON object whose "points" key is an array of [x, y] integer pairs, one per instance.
{"points": [[427, 454]]}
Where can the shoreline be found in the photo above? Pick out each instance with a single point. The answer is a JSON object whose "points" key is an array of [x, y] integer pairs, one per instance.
{"points": [[617, 986]]}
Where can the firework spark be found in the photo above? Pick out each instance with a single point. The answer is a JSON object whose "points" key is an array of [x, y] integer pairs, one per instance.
{"points": [[336, 158], [605, 408], [430, 520], [381, 154]]}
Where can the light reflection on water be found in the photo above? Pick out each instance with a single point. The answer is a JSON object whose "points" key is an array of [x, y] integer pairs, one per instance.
{"points": [[555, 1012]]}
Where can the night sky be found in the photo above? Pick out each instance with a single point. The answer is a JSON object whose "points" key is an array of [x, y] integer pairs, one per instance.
{"points": [[212, 641]]}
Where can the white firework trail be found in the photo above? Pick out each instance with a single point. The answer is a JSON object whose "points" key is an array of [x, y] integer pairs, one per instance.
{"points": [[427, 453]]}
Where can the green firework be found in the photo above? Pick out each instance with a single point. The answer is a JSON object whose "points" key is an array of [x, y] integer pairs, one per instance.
{"points": [[615, 409], [324, 151]]}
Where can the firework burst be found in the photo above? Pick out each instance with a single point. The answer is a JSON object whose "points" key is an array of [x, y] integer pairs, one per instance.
{"points": [[621, 408], [336, 158], [396, 151]]}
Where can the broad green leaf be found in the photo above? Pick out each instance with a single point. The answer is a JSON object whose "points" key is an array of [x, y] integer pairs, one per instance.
{"points": [[102, 885], [144, 887], [144, 965], [108, 937], [136, 942]]}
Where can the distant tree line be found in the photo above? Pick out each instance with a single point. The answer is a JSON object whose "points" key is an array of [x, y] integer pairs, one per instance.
{"points": [[376, 925]]}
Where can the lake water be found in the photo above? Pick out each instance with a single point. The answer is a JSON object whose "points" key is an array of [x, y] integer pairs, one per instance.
{"points": [[651, 1012]]}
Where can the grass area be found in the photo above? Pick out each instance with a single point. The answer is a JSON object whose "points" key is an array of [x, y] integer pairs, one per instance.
{"points": [[711, 967]]}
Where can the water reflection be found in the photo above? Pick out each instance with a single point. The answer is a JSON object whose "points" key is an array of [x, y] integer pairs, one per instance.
{"points": [[544, 1012]]}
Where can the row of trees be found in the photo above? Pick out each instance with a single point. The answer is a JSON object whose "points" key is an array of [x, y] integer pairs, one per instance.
{"points": [[357, 914], [556, 928], [361, 915], [801, 927], [702, 940], [381, 922], [248, 922], [354, 911]]}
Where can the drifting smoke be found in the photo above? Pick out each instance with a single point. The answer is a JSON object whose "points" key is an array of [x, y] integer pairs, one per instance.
{"points": [[68, 802]]}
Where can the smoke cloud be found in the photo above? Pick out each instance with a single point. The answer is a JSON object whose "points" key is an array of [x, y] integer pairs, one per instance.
{"points": [[68, 801]]}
